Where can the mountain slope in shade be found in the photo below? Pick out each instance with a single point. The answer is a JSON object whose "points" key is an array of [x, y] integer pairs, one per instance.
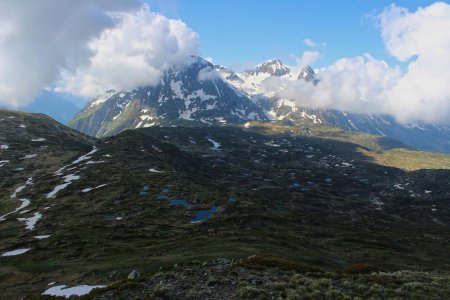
{"points": [[193, 92]]}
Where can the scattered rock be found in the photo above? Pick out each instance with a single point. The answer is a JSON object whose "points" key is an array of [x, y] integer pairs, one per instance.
{"points": [[223, 261], [133, 275]]}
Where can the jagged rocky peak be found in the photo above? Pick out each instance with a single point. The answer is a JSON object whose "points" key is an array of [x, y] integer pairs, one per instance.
{"points": [[227, 73], [195, 63], [273, 67], [220, 67], [307, 73], [194, 91], [223, 70]]}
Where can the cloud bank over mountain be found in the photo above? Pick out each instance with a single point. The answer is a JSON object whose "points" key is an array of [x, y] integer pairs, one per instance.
{"points": [[365, 84], [132, 54], [85, 47]]}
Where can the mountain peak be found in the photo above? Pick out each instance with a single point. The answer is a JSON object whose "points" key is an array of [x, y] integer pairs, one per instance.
{"points": [[307, 73], [270, 62], [272, 66], [189, 92], [195, 59]]}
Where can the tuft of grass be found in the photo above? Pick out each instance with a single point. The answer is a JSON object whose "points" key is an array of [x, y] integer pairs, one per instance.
{"points": [[270, 261], [251, 292]]}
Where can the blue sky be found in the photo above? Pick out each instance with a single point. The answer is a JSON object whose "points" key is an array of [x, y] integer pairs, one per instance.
{"points": [[240, 33], [134, 48]]}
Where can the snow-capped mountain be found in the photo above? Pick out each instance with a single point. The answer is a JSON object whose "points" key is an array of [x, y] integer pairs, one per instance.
{"points": [[274, 67], [193, 92], [308, 74], [212, 94], [253, 82]]}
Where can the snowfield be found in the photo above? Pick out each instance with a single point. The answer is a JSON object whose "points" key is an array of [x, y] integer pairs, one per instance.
{"points": [[16, 252], [86, 156], [66, 292], [25, 203], [31, 222], [67, 181], [216, 145], [93, 188]]}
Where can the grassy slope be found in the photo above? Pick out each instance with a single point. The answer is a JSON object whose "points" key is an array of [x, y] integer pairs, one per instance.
{"points": [[330, 226], [383, 151]]}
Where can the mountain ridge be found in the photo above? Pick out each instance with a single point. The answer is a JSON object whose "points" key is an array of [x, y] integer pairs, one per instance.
{"points": [[428, 137], [192, 92], [202, 93]]}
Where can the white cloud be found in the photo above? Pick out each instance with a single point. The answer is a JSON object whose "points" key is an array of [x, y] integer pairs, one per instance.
{"points": [[423, 38], [307, 58], [132, 54], [208, 73], [365, 84], [310, 43], [354, 84], [85, 46], [39, 38]]}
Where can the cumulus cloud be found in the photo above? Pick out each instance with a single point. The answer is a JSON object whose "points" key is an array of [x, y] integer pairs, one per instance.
{"points": [[356, 84], [132, 54], [423, 38], [84, 46], [39, 38], [208, 73], [307, 58], [365, 84]]}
